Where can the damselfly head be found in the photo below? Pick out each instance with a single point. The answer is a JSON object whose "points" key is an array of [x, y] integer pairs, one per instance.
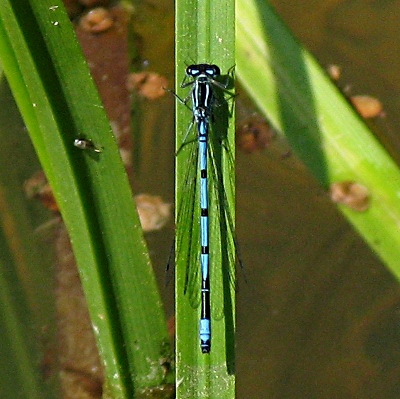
{"points": [[209, 70]]}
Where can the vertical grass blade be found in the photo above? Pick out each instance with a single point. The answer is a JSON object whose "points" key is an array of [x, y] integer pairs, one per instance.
{"points": [[22, 370], [205, 33], [59, 103], [297, 96], [26, 308]]}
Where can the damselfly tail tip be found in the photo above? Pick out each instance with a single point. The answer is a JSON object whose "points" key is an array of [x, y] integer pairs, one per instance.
{"points": [[205, 335], [205, 346]]}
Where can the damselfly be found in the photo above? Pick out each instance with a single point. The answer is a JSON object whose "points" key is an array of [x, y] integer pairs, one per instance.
{"points": [[206, 94]]}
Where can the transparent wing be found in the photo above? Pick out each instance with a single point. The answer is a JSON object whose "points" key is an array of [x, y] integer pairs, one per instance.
{"points": [[223, 244], [188, 224]]}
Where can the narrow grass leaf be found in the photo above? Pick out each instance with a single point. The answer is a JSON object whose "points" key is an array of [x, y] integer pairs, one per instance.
{"points": [[59, 103], [298, 97]]}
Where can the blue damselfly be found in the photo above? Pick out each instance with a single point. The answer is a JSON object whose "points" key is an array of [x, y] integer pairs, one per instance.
{"points": [[207, 94]]}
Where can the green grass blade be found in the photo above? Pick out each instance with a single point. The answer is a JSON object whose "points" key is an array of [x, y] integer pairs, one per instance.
{"points": [[332, 140], [204, 34], [58, 101], [26, 308], [20, 375], [20, 349]]}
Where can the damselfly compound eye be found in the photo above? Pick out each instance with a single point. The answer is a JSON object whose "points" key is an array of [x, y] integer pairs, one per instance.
{"points": [[193, 70], [212, 70]]}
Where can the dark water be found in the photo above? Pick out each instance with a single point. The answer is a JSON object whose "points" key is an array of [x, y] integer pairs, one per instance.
{"points": [[319, 314], [320, 318]]}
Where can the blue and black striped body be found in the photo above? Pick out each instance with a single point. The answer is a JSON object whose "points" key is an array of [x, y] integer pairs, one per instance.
{"points": [[202, 102], [205, 320]]}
